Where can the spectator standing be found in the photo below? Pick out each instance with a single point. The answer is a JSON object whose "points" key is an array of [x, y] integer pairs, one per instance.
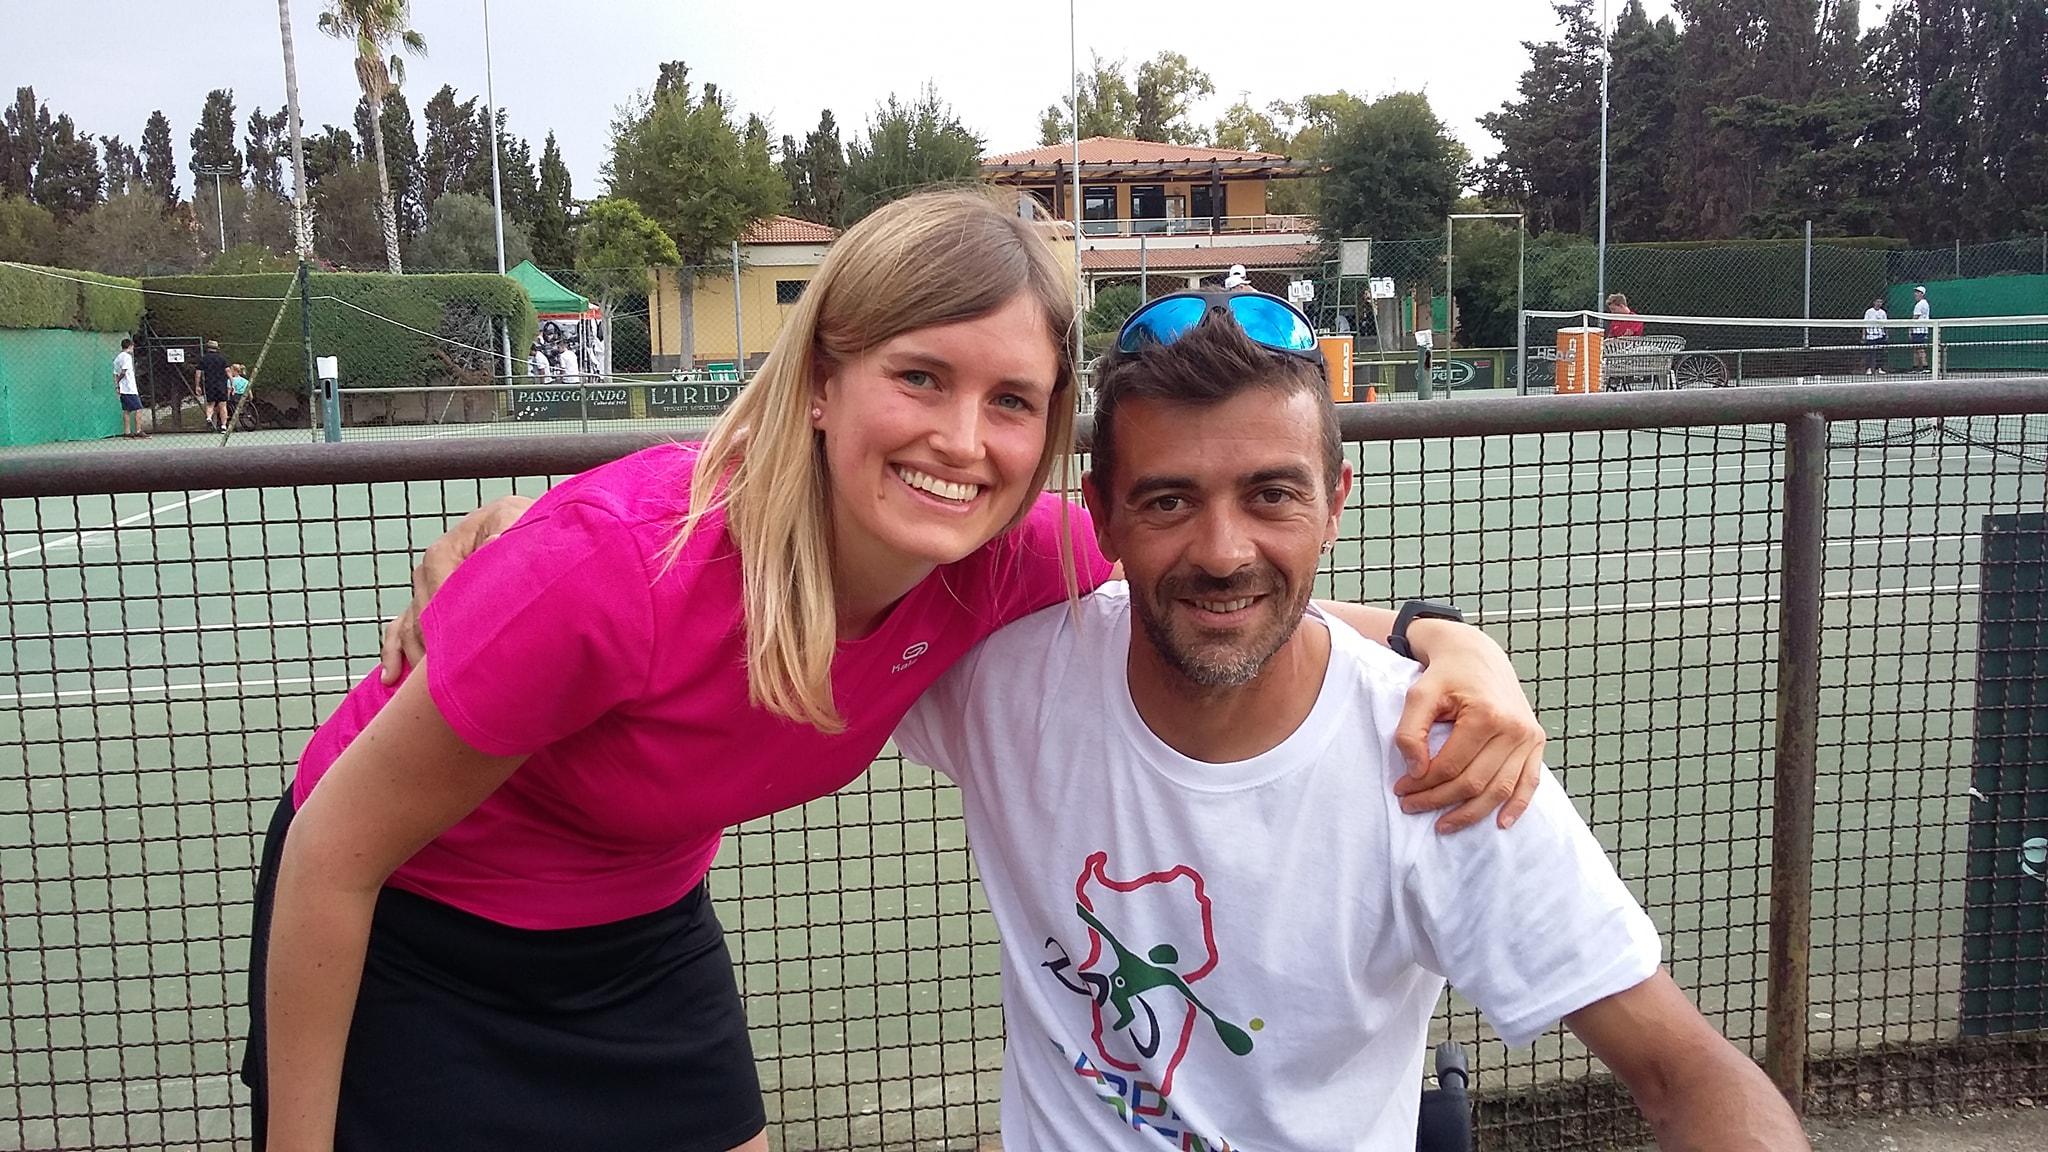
{"points": [[130, 393], [1922, 331], [1873, 337], [211, 378], [1237, 277], [1618, 303], [537, 363], [238, 387]]}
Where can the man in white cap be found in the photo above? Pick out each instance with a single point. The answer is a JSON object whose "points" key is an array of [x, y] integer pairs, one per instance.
{"points": [[1922, 331], [1236, 277]]}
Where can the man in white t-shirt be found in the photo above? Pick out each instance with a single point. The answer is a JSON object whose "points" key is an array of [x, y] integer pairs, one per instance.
{"points": [[1874, 318], [130, 393], [1923, 331], [1217, 930]]}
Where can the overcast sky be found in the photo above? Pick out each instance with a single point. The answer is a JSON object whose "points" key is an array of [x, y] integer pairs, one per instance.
{"points": [[566, 67]]}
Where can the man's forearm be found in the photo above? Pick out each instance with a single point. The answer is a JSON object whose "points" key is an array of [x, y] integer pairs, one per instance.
{"points": [[1726, 1104]]}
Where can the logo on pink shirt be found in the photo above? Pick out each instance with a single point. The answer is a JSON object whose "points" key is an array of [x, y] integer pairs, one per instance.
{"points": [[911, 654]]}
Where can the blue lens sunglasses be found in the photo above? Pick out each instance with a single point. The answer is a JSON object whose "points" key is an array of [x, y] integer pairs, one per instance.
{"points": [[1269, 321]]}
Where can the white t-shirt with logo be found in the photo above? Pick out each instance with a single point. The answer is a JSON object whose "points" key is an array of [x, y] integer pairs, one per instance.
{"points": [[1873, 319], [1922, 311], [124, 374], [1243, 954]]}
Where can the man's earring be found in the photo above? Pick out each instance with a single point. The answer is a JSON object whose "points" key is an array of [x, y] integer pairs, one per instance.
{"points": [[1329, 546]]}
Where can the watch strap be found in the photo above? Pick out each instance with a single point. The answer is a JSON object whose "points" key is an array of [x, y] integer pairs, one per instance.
{"points": [[1412, 611]]}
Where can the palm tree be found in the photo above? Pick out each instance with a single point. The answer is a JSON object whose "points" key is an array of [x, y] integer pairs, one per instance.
{"points": [[375, 25]]}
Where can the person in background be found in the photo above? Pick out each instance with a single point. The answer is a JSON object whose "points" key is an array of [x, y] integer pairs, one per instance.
{"points": [[1873, 337], [238, 388], [537, 363], [1923, 332], [1618, 303], [129, 392], [1237, 277], [210, 379]]}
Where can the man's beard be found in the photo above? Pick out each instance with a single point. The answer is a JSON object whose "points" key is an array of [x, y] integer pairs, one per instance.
{"points": [[1196, 653]]}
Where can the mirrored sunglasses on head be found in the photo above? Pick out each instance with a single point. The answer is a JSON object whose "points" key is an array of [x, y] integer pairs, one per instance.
{"points": [[1269, 321]]}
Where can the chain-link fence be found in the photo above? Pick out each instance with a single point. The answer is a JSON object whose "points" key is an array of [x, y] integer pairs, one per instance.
{"points": [[460, 354], [1793, 690], [426, 354]]}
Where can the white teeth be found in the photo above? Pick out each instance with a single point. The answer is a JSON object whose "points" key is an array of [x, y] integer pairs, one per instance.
{"points": [[943, 489], [1222, 607]]}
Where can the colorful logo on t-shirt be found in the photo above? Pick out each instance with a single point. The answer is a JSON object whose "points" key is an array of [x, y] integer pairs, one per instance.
{"points": [[1151, 941]]}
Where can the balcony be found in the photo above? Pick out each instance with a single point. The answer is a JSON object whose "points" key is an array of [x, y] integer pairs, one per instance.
{"points": [[1200, 226]]}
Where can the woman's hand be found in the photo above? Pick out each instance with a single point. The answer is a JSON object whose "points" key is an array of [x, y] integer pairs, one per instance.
{"points": [[404, 645], [1493, 756]]}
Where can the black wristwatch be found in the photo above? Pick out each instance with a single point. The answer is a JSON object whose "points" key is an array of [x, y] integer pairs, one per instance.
{"points": [[1417, 610]]}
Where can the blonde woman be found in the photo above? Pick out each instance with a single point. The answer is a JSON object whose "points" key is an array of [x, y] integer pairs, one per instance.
{"points": [[481, 920]]}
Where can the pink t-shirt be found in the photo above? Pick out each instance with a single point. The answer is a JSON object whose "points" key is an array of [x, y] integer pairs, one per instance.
{"points": [[624, 684]]}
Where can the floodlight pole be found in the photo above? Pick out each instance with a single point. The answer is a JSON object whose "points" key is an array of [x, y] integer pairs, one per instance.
{"points": [[302, 220], [1521, 251], [1606, 54], [498, 196], [490, 97], [1074, 204], [217, 171]]}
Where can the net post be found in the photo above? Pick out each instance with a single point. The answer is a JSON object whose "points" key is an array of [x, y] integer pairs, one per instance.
{"points": [[1794, 773]]}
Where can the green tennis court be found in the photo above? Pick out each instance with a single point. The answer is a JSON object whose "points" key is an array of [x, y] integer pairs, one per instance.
{"points": [[168, 653]]}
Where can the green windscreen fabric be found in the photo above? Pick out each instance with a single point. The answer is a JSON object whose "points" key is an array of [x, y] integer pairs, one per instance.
{"points": [[549, 297], [56, 384], [2005, 893], [2019, 346]]}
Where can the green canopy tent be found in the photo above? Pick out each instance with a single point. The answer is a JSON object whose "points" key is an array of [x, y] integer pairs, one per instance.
{"points": [[548, 295], [567, 320]]}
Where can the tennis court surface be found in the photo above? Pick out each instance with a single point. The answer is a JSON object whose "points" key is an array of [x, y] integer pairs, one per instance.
{"points": [[168, 650]]}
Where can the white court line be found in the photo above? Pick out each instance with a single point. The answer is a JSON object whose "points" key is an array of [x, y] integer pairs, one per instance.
{"points": [[177, 629], [95, 695], [1573, 557], [77, 539], [1707, 602]]}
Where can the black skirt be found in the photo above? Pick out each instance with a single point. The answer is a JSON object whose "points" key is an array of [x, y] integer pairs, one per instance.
{"points": [[472, 1035]]}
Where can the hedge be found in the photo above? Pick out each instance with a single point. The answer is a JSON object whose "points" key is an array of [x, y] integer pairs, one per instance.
{"points": [[375, 339], [61, 298]]}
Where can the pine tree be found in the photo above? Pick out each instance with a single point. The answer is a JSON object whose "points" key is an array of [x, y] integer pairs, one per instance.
{"points": [[1549, 158], [159, 166], [213, 141], [1643, 81], [265, 148], [401, 160], [552, 246], [23, 125], [67, 171], [452, 147], [122, 166]]}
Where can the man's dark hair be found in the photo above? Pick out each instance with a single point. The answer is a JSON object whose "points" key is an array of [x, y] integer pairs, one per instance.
{"points": [[126, 344], [1213, 362]]}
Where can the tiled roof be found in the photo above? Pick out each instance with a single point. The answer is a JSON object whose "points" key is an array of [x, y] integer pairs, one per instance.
{"points": [[789, 230], [1115, 150], [1212, 259]]}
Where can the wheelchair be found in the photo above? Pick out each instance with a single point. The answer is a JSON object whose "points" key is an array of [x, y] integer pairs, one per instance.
{"points": [[1445, 1124]]}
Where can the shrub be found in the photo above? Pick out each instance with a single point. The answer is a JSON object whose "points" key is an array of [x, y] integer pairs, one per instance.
{"points": [[60, 298], [388, 331]]}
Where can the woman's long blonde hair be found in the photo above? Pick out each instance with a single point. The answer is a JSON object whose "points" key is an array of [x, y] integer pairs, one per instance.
{"points": [[926, 260]]}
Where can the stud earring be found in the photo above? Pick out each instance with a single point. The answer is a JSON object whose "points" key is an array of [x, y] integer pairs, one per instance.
{"points": [[817, 413], [1329, 546]]}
